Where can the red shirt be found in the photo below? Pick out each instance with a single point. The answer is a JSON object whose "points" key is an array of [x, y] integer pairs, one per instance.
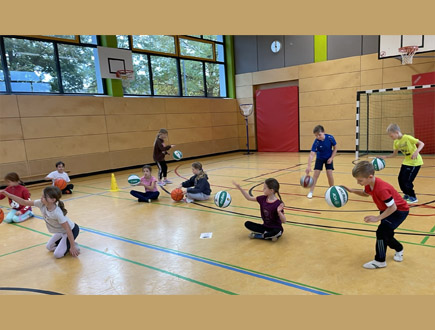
{"points": [[383, 193], [19, 191]]}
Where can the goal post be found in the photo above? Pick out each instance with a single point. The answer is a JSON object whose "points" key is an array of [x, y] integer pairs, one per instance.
{"points": [[411, 107]]}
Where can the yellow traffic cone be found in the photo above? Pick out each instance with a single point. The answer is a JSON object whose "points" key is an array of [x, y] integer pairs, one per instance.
{"points": [[113, 184]]}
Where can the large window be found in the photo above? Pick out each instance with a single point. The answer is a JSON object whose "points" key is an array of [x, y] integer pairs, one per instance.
{"points": [[191, 65], [77, 66], [141, 84], [164, 65], [51, 64], [31, 64], [165, 75]]}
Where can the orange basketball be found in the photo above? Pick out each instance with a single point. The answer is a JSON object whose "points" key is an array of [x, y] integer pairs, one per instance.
{"points": [[177, 194], [2, 215], [60, 183]]}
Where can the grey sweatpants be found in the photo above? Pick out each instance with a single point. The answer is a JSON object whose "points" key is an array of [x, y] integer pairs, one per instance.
{"points": [[198, 196]]}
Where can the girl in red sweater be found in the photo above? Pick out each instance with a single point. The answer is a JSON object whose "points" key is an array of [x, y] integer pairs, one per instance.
{"points": [[18, 213]]}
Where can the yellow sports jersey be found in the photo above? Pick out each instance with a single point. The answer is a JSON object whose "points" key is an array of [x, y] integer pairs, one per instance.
{"points": [[407, 145]]}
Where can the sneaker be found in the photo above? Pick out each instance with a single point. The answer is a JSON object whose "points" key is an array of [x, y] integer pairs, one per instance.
{"points": [[412, 200], [398, 256], [161, 183], [188, 200], [405, 197], [375, 264], [256, 235], [144, 200], [310, 195], [167, 181]]}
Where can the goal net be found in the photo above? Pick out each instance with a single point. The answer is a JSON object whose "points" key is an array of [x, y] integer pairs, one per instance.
{"points": [[412, 108]]}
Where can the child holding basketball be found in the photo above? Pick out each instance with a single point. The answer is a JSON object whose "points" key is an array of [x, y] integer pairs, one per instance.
{"points": [[150, 184], [15, 186], [393, 211], [160, 150], [410, 147], [54, 213], [326, 148], [60, 174], [197, 187], [272, 211]]}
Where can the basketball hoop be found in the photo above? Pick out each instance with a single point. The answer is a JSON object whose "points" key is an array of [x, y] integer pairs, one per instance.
{"points": [[246, 111], [407, 54], [126, 76]]}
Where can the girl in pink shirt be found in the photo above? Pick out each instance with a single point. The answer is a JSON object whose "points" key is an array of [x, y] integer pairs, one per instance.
{"points": [[150, 184]]}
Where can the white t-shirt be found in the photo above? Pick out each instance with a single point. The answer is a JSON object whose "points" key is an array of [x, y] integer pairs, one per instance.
{"points": [[56, 175], [54, 219]]}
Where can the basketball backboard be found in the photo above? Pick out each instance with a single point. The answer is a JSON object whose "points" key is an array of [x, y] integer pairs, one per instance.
{"points": [[112, 60], [389, 44]]}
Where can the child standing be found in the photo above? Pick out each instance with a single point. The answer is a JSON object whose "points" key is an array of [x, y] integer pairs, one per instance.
{"points": [[160, 150], [393, 211], [272, 211], [60, 174], [326, 148], [54, 213], [19, 212], [199, 181], [410, 147], [150, 184]]}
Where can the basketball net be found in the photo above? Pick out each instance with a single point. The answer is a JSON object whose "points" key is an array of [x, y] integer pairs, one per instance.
{"points": [[246, 109], [407, 54], [126, 77]]}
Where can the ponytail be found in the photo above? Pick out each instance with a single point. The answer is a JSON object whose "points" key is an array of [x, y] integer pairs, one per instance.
{"points": [[62, 207]]}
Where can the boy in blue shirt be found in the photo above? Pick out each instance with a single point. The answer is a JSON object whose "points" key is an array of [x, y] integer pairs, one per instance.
{"points": [[326, 148]]}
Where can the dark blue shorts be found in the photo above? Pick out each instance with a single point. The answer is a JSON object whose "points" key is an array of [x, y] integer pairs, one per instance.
{"points": [[320, 162]]}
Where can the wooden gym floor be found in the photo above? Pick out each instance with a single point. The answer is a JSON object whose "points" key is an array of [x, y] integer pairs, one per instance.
{"points": [[131, 248]]}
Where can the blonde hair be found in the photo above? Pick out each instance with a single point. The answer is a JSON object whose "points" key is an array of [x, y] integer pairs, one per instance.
{"points": [[393, 128], [161, 131], [198, 166], [363, 169], [54, 192]]}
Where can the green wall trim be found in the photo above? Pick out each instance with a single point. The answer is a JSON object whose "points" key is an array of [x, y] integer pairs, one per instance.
{"points": [[320, 48], [114, 86], [230, 67]]}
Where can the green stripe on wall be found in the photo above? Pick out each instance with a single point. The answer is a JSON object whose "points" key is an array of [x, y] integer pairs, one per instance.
{"points": [[230, 67], [114, 86], [320, 48]]}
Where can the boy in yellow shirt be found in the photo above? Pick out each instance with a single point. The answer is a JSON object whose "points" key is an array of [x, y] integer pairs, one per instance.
{"points": [[410, 147]]}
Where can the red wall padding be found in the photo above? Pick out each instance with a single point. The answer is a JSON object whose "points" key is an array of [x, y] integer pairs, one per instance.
{"points": [[277, 112], [424, 112]]}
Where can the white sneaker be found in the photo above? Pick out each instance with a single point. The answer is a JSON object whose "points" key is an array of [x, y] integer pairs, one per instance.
{"points": [[167, 181], [188, 200], [398, 256], [161, 183], [375, 264], [310, 195]]}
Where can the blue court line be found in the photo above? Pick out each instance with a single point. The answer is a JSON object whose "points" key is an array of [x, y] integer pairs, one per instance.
{"points": [[213, 263], [181, 254]]}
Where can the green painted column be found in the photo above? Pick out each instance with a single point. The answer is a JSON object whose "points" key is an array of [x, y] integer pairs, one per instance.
{"points": [[114, 86], [231, 71], [320, 48]]}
